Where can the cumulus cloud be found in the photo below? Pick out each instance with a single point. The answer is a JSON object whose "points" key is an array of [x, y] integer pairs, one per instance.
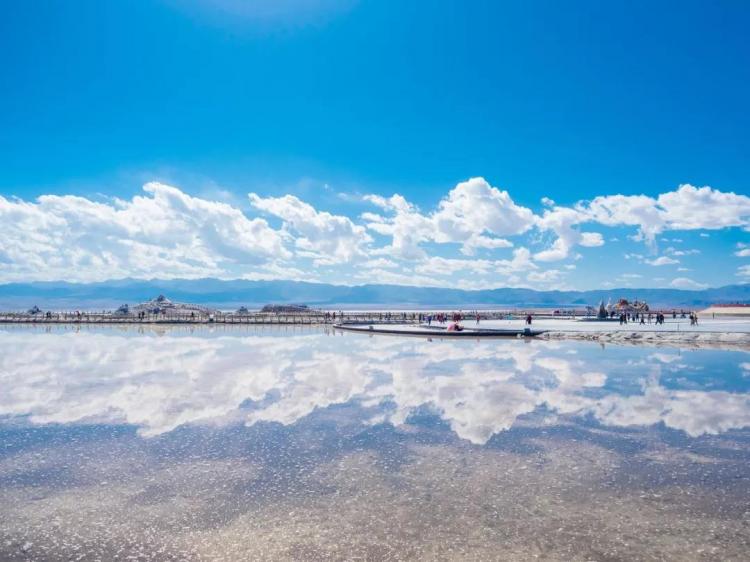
{"points": [[563, 221], [164, 233], [743, 250], [445, 266], [686, 283], [465, 273], [333, 238], [407, 227], [662, 260], [167, 233], [591, 239], [686, 208], [474, 208], [473, 214], [547, 277]]}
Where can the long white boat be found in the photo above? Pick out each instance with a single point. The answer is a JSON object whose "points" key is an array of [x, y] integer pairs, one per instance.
{"points": [[436, 331]]}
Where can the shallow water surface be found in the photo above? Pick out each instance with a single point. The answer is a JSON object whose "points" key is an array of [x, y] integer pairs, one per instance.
{"points": [[304, 444]]}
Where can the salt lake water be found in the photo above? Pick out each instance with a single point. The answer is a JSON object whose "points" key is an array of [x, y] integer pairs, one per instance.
{"points": [[259, 443]]}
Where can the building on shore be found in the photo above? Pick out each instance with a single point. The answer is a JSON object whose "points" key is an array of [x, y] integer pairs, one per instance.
{"points": [[162, 305], [624, 306]]}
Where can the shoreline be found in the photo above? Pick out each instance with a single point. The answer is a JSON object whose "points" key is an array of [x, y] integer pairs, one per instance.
{"points": [[737, 339], [718, 340]]}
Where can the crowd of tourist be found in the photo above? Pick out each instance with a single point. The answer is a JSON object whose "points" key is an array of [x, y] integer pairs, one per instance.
{"points": [[657, 317]]}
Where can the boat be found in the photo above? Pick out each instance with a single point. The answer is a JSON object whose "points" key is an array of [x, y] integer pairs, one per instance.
{"points": [[437, 331]]}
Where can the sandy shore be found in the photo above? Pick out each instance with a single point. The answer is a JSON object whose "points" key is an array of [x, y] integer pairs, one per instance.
{"points": [[725, 333]]}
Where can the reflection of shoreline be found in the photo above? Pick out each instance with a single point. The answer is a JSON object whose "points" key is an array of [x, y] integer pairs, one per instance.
{"points": [[686, 340], [200, 330]]}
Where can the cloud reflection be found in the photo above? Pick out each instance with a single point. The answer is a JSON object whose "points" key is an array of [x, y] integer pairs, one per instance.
{"points": [[480, 388]]}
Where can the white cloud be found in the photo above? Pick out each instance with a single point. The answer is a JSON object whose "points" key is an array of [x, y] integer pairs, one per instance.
{"points": [[558, 251], [684, 252], [164, 233], [545, 277], [474, 207], [372, 217], [407, 227], [520, 263], [628, 210], [685, 283], [561, 221], [473, 214], [379, 263], [444, 266], [686, 208], [486, 242], [591, 239], [690, 208], [662, 260], [167, 233], [394, 203], [335, 238]]}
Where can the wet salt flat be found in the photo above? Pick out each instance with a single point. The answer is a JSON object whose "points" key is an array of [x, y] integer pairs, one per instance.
{"points": [[306, 444], [733, 325]]}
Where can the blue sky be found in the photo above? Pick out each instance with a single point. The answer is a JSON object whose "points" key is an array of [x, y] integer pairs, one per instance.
{"points": [[325, 110]]}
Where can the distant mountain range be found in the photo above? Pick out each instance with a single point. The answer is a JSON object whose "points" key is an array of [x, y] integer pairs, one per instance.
{"points": [[232, 294]]}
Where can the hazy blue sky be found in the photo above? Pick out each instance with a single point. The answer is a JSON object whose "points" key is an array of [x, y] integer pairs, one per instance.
{"points": [[538, 143]]}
